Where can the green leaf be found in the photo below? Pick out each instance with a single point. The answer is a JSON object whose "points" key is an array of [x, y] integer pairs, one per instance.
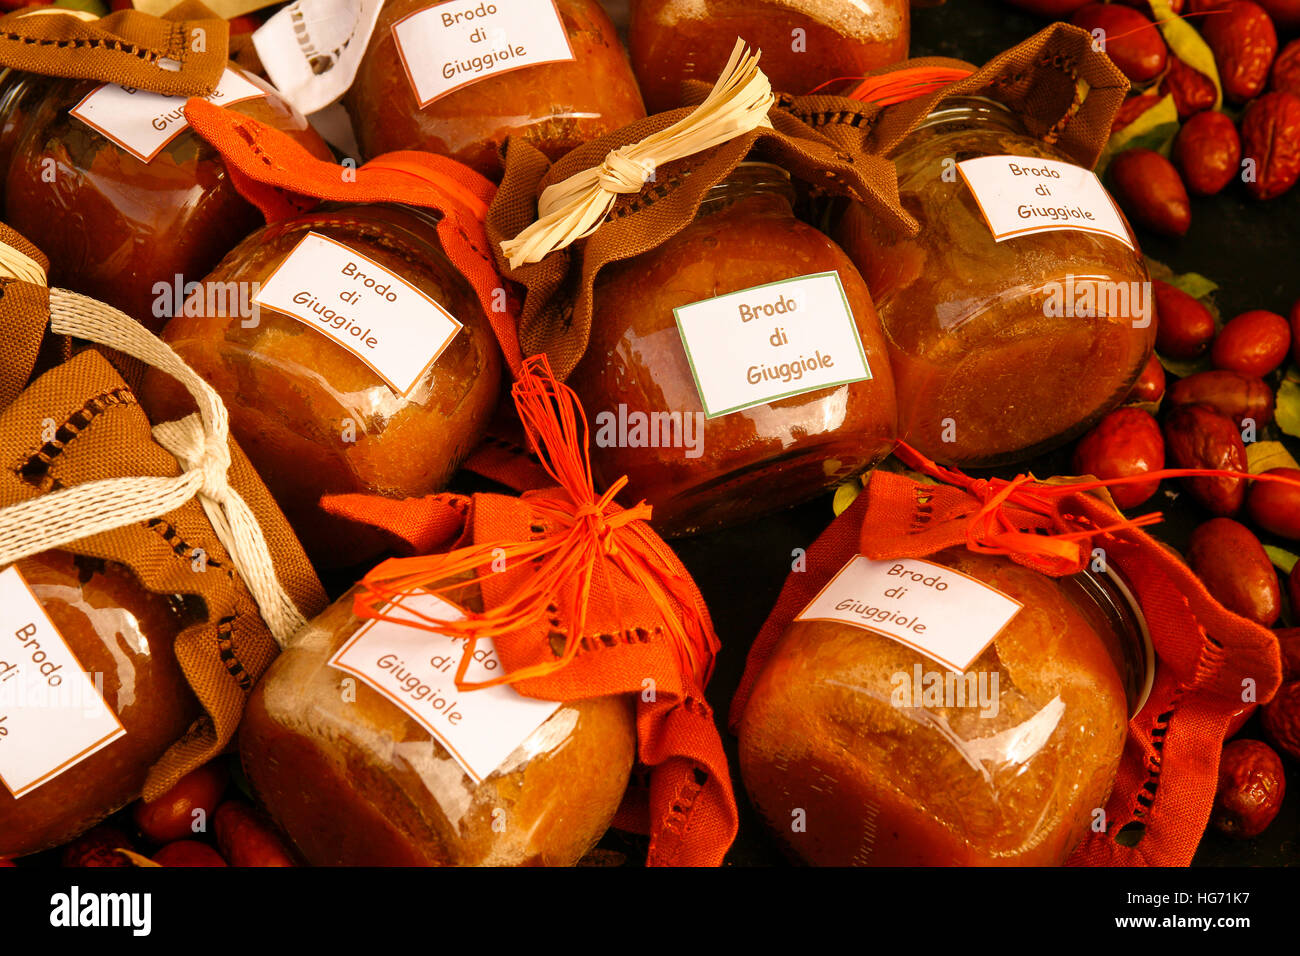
{"points": [[1154, 129], [1282, 560], [1287, 414], [1187, 44], [1194, 284]]}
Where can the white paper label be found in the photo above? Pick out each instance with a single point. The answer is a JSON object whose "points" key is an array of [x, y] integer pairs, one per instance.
{"points": [[770, 342], [143, 123], [1020, 195], [941, 613], [52, 716], [416, 670], [381, 318], [311, 49], [454, 44]]}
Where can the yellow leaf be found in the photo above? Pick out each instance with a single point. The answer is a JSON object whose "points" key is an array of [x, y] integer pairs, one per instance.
{"points": [[1263, 455], [1153, 129], [1287, 413], [845, 495], [136, 859], [1188, 45]]}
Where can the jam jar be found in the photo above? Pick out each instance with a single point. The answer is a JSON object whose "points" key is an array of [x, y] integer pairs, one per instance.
{"points": [[552, 72], [776, 429], [128, 227], [1002, 350], [896, 760], [121, 636], [20, 93], [394, 794], [805, 43], [352, 356]]}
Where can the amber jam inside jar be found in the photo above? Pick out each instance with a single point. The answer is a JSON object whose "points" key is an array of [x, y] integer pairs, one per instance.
{"points": [[553, 106], [1001, 350], [313, 417], [840, 725], [396, 796], [638, 386], [805, 43], [115, 227], [122, 636]]}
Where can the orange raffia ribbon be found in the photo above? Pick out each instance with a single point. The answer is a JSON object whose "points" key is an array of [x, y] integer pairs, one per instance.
{"points": [[991, 531], [588, 533], [899, 86]]}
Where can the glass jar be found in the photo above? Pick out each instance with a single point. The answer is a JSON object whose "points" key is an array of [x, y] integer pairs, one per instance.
{"points": [[994, 363], [396, 797], [638, 385], [553, 106], [313, 415], [805, 43], [122, 636], [1005, 765], [115, 227], [20, 93]]}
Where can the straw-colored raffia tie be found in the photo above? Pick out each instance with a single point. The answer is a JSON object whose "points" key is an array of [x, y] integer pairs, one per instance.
{"points": [[573, 209], [18, 265], [199, 442]]}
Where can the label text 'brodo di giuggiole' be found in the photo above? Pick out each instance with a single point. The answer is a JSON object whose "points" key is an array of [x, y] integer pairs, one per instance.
{"points": [[937, 611], [449, 45], [381, 318], [754, 346]]}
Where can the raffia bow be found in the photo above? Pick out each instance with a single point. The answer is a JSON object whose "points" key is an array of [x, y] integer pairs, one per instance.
{"points": [[199, 443], [585, 534], [573, 209]]}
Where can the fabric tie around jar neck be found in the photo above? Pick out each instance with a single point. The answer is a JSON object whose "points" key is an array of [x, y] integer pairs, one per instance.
{"points": [[992, 530], [578, 530], [199, 443]]}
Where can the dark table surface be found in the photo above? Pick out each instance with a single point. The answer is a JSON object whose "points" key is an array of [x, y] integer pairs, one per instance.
{"points": [[1251, 250]]}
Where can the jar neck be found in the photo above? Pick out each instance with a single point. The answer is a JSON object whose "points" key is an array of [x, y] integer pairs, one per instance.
{"points": [[745, 181], [972, 111], [960, 113]]}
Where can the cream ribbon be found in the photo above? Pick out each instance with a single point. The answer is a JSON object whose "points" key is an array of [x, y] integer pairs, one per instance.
{"points": [[199, 443], [573, 209]]}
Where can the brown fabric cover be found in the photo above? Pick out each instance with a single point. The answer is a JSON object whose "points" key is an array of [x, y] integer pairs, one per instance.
{"points": [[1065, 92], [80, 422], [124, 47]]}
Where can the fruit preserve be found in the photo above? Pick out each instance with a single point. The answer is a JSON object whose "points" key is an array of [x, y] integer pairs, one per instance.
{"points": [[121, 636], [458, 81], [1001, 349], [352, 356], [805, 43], [739, 367], [128, 226], [394, 794], [898, 760]]}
